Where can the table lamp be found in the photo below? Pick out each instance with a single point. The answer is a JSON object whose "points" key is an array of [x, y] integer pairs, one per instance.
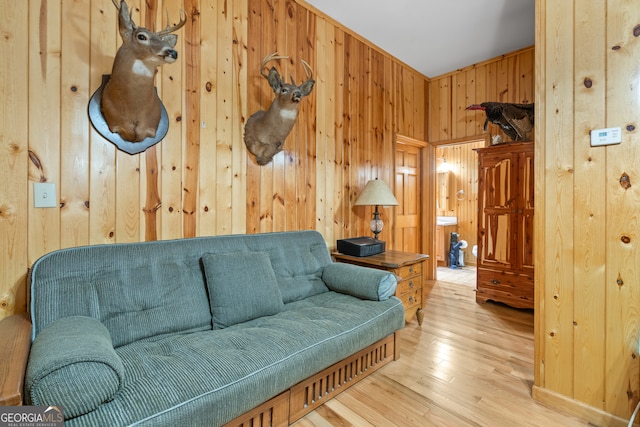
{"points": [[376, 193]]}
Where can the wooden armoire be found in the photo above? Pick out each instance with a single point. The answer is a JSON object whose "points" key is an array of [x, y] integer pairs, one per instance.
{"points": [[505, 224]]}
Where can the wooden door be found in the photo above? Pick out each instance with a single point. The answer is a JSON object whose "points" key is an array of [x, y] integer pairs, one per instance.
{"points": [[497, 205], [408, 192], [525, 211]]}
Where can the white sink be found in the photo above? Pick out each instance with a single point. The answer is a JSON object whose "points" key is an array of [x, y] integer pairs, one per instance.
{"points": [[446, 220]]}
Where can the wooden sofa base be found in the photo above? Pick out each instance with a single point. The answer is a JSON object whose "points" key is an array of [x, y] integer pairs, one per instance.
{"points": [[306, 396]]}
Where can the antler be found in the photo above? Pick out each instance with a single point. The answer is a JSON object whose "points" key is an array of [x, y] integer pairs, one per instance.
{"points": [[183, 20], [169, 29], [307, 69], [268, 59]]}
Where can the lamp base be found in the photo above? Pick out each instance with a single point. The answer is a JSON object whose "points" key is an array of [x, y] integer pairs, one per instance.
{"points": [[376, 225]]}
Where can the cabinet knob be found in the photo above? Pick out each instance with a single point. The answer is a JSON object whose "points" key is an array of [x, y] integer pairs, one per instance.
{"points": [[495, 281]]}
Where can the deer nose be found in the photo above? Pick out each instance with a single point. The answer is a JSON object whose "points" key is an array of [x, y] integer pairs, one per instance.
{"points": [[172, 53]]}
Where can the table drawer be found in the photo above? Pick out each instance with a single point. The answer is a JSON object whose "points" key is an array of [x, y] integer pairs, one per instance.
{"points": [[409, 270], [410, 299], [409, 285]]}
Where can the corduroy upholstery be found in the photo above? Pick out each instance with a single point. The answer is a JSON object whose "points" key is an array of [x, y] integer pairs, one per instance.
{"points": [[242, 286], [165, 364], [361, 282], [69, 349]]}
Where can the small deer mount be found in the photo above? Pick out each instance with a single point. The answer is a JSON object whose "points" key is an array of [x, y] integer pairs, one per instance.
{"points": [[266, 131], [126, 108]]}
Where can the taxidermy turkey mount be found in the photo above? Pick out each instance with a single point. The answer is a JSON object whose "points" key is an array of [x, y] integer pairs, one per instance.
{"points": [[515, 120]]}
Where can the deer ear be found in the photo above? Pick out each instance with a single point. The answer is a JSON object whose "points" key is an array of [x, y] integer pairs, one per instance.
{"points": [[307, 87], [125, 23], [170, 39], [274, 79]]}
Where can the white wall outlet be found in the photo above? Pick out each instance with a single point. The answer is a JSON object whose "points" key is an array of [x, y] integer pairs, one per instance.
{"points": [[44, 195], [606, 136]]}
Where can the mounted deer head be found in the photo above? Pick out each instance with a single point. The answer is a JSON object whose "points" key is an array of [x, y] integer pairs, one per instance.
{"points": [[265, 131], [130, 103]]}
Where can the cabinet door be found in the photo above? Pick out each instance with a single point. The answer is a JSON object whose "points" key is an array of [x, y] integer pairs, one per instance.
{"points": [[498, 200], [525, 212]]}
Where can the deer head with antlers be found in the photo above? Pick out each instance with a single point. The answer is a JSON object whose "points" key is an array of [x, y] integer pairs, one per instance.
{"points": [[265, 131], [130, 105]]}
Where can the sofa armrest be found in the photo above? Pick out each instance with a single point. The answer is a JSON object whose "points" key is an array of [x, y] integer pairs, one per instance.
{"points": [[15, 331], [66, 356], [362, 282]]}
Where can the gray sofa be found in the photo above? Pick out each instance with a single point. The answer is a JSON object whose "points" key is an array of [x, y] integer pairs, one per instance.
{"points": [[198, 331]]}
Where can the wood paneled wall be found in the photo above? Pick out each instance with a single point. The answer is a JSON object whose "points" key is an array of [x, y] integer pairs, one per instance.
{"points": [[199, 180], [456, 132], [509, 78], [586, 246]]}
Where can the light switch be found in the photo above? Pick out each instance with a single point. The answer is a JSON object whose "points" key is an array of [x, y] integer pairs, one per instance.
{"points": [[44, 195]]}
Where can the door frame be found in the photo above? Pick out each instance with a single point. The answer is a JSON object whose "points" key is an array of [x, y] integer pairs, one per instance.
{"points": [[427, 199]]}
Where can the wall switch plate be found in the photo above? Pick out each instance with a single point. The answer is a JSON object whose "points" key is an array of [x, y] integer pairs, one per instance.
{"points": [[44, 195], [606, 136]]}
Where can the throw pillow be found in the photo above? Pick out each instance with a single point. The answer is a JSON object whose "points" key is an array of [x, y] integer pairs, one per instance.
{"points": [[362, 282], [242, 286]]}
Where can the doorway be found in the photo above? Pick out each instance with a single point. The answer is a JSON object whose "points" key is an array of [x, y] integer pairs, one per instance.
{"points": [[457, 208]]}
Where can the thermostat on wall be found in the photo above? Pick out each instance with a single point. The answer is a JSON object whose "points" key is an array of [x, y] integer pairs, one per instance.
{"points": [[606, 136]]}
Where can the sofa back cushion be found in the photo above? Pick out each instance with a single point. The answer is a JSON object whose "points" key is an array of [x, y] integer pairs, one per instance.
{"points": [[140, 290], [242, 286], [135, 290]]}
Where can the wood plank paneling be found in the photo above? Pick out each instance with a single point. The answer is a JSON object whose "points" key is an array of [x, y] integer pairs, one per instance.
{"points": [[509, 78], [587, 311], [199, 180], [589, 208], [15, 182]]}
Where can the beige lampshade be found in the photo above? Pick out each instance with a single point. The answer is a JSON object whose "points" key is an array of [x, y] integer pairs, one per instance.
{"points": [[376, 192]]}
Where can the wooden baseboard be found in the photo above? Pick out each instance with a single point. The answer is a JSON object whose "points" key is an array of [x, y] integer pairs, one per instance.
{"points": [[596, 416], [306, 396]]}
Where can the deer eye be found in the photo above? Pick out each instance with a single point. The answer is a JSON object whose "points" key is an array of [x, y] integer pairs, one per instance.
{"points": [[142, 37], [285, 90]]}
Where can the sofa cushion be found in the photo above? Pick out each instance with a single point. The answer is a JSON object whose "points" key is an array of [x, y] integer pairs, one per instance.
{"points": [[208, 378], [73, 357], [361, 282], [242, 286], [136, 290]]}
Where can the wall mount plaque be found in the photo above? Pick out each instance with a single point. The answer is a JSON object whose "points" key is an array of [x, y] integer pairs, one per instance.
{"points": [[100, 124]]}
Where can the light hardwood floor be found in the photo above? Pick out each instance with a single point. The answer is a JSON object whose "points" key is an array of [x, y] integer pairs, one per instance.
{"points": [[467, 365]]}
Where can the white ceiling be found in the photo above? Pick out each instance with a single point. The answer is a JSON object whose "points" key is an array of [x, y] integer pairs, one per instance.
{"points": [[436, 37]]}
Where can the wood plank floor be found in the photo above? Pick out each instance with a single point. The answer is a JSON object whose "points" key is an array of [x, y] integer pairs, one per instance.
{"points": [[467, 365]]}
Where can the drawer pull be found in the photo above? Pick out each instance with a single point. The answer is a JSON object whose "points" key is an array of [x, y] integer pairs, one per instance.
{"points": [[411, 284], [411, 300], [411, 270], [495, 281]]}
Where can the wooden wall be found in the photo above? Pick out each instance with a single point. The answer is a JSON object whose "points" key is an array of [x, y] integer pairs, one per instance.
{"points": [[199, 180], [587, 253], [509, 78], [456, 132]]}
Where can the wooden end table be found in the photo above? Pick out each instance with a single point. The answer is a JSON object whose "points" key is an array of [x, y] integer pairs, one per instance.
{"points": [[407, 267]]}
